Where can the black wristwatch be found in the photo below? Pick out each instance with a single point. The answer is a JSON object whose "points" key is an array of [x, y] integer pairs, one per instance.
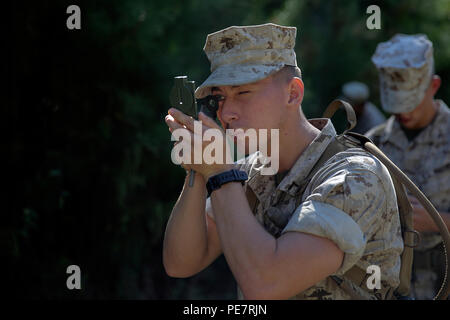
{"points": [[215, 182]]}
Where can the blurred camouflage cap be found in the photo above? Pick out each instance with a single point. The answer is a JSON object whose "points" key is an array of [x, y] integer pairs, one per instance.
{"points": [[245, 54], [405, 65], [356, 91]]}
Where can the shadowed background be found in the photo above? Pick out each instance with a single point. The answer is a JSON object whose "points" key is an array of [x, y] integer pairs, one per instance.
{"points": [[89, 177]]}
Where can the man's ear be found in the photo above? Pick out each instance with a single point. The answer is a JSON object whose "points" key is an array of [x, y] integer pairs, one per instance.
{"points": [[435, 84], [296, 91]]}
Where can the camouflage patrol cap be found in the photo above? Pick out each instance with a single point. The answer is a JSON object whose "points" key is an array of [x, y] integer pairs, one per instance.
{"points": [[245, 54], [356, 91], [405, 65]]}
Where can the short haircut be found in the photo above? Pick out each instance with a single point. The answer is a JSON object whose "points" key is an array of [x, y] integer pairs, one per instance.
{"points": [[287, 73]]}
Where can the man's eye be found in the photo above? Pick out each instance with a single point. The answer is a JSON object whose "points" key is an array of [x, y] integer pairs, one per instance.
{"points": [[219, 97]]}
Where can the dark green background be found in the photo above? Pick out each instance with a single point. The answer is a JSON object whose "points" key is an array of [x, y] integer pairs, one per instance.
{"points": [[88, 173]]}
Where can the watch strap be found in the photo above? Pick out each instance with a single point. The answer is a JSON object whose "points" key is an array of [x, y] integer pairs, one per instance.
{"points": [[218, 180]]}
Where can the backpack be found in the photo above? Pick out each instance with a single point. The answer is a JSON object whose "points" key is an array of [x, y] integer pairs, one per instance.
{"points": [[411, 238]]}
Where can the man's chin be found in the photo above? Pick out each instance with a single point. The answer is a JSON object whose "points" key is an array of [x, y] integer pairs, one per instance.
{"points": [[406, 122]]}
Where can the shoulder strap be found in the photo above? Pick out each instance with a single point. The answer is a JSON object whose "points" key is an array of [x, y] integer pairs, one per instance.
{"points": [[401, 181], [333, 148], [251, 198], [335, 105]]}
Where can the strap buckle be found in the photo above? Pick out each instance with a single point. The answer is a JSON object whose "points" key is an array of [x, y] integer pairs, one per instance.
{"points": [[417, 237]]}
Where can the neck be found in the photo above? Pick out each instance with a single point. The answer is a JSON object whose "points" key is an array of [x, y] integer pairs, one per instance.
{"points": [[428, 117], [294, 141]]}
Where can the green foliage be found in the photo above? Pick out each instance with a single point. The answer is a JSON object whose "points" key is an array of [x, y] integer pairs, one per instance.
{"points": [[93, 183]]}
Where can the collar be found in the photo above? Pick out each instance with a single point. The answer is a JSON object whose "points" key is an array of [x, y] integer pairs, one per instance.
{"points": [[438, 127], [309, 157], [262, 185], [394, 134]]}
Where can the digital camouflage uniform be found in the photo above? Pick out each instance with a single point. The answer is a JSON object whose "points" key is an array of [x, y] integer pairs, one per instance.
{"points": [[426, 161], [405, 64], [350, 201]]}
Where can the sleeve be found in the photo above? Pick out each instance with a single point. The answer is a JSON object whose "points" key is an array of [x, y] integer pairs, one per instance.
{"points": [[344, 207]]}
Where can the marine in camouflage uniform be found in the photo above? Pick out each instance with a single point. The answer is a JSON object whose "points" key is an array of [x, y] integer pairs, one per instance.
{"points": [[349, 201], [423, 153]]}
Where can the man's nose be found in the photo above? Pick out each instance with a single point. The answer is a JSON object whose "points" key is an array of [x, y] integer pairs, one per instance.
{"points": [[229, 112]]}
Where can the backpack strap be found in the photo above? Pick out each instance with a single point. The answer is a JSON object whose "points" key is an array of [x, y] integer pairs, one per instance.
{"points": [[357, 276], [411, 238], [333, 148], [396, 173], [401, 181], [404, 206], [334, 106], [251, 198]]}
